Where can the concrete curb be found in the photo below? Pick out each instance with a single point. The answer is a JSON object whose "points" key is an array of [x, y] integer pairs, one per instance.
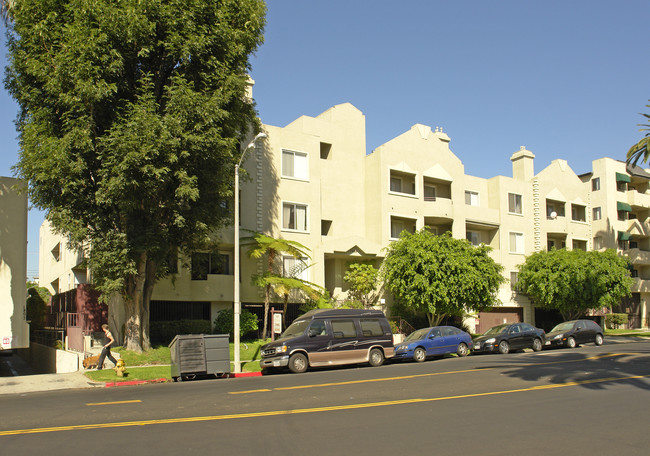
{"points": [[135, 382], [165, 380]]}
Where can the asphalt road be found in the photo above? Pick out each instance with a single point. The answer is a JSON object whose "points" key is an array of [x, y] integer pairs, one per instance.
{"points": [[590, 400]]}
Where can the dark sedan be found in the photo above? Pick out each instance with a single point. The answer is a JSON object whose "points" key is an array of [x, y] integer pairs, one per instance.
{"points": [[508, 337], [573, 333]]}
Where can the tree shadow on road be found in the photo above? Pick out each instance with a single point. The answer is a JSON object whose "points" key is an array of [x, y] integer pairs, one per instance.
{"points": [[584, 368]]}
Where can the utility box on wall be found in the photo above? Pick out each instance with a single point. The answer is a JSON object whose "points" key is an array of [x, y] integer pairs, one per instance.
{"points": [[195, 355]]}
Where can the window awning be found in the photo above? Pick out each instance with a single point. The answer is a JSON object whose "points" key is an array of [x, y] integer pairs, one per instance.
{"points": [[620, 177], [621, 206], [623, 236]]}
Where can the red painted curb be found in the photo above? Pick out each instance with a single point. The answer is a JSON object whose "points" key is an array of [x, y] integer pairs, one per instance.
{"points": [[135, 382], [245, 374]]}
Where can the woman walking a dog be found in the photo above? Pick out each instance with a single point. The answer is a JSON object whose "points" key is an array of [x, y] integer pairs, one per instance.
{"points": [[106, 351]]}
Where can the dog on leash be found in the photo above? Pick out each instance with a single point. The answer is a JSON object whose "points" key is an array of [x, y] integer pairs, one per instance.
{"points": [[91, 362]]}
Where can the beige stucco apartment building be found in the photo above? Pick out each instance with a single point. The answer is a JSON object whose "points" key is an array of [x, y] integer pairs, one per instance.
{"points": [[312, 181], [14, 329]]}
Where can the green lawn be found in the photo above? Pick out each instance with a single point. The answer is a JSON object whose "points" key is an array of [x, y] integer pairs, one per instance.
{"points": [[155, 363], [627, 332]]}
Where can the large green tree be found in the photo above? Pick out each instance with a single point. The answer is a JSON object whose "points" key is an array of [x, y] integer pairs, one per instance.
{"points": [[440, 275], [131, 115], [641, 151], [574, 281]]}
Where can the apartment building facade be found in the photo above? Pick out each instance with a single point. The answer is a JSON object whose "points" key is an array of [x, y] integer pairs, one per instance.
{"points": [[312, 181], [14, 328]]}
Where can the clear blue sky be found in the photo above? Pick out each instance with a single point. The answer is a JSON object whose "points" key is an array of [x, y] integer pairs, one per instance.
{"points": [[566, 79]]}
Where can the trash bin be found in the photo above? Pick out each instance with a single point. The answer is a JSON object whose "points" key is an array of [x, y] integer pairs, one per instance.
{"points": [[198, 355]]}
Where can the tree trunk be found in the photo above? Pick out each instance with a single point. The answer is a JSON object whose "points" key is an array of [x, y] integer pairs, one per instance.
{"points": [[136, 303], [435, 319], [267, 299]]}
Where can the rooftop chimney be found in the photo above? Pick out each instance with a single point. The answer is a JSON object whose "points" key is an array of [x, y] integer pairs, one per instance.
{"points": [[523, 164]]}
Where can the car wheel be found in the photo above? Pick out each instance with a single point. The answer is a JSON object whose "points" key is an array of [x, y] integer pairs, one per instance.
{"points": [[376, 357], [419, 354], [298, 363], [571, 342], [599, 339], [537, 345], [462, 349], [504, 347]]}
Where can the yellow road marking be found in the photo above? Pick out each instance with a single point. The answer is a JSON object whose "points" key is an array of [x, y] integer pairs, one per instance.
{"points": [[250, 391], [114, 403], [309, 410], [406, 377], [372, 380]]}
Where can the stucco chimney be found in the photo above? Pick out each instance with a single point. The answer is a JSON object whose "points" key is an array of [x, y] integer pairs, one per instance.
{"points": [[523, 164]]}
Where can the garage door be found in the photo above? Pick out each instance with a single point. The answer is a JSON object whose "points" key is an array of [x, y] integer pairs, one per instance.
{"points": [[498, 317]]}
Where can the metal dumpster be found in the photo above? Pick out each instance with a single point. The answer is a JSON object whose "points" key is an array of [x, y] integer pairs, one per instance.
{"points": [[199, 355]]}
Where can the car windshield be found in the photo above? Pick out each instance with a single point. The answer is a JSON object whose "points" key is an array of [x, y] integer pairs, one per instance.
{"points": [[297, 328], [417, 335], [563, 326], [495, 330]]}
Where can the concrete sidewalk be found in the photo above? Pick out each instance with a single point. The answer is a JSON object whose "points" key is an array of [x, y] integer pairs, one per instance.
{"points": [[17, 377], [45, 382]]}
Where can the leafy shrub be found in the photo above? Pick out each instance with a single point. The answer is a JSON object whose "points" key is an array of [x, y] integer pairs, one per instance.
{"points": [[162, 332], [615, 320], [225, 322], [352, 304], [36, 306], [394, 327]]}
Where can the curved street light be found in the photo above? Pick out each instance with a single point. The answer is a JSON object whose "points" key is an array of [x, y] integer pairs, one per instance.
{"points": [[236, 299]]}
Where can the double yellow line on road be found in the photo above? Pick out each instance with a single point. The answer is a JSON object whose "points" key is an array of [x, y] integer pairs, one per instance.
{"points": [[319, 409]]}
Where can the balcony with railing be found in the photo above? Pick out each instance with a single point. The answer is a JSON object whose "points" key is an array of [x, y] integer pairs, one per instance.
{"points": [[640, 285], [637, 199], [638, 256], [439, 207]]}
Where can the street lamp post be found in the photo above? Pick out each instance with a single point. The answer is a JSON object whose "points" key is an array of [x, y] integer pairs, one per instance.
{"points": [[236, 299]]}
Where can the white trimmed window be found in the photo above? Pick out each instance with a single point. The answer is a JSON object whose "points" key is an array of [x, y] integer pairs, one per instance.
{"points": [[471, 198], [473, 236], [516, 242], [429, 192], [578, 213], [399, 224], [597, 215], [515, 203], [401, 182], [598, 243], [295, 267], [514, 280], [595, 184], [295, 165], [294, 216]]}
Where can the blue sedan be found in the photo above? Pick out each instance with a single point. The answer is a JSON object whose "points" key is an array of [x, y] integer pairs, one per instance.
{"points": [[438, 340]]}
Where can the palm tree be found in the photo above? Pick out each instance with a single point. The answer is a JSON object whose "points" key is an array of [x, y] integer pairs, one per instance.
{"points": [[272, 248], [641, 151], [283, 286]]}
